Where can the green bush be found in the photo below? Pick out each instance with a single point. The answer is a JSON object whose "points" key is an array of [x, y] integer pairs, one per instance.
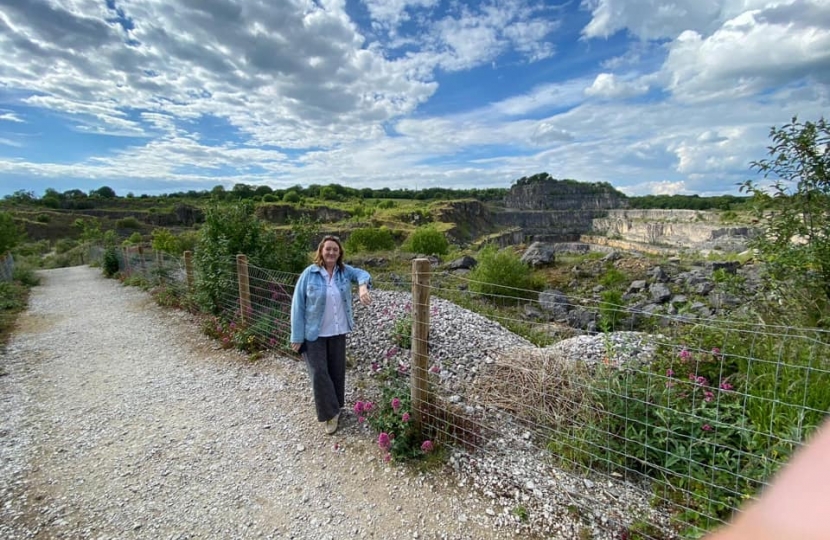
{"points": [[166, 241], [503, 274], [428, 241], [709, 425], [291, 196], [43, 218], [128, 223], [370, 239], [234, 229], [390, 418], [611, 310], [65, 244], [25, 274], [110, 262], [10, 233]]}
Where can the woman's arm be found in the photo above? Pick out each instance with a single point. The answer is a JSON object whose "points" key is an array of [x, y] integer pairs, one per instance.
{"points": [[298, 310], [796, 505]]}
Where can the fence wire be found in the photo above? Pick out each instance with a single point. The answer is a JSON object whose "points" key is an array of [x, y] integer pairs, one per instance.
{"points": [[6, 267], [688, 420], [564, 414]]}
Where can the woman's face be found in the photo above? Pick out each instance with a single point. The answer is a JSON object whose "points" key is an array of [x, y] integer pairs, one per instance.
{"points": [[331, 251]]}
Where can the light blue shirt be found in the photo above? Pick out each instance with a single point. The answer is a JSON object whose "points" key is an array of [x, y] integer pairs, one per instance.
{"points": [[308, 304]]}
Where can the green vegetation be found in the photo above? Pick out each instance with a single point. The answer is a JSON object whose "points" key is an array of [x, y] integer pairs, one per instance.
{"points": [[10, 234], [428, 241], [501, 273], [795, 243], [370, 239]]}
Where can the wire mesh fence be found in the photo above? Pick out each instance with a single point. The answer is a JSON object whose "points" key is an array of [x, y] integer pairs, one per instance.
{"points": [[690, 419], [6, 267], [652, 434]]}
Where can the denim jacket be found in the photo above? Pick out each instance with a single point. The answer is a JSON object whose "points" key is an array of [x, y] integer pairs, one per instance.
{"points": [[309, 299]]}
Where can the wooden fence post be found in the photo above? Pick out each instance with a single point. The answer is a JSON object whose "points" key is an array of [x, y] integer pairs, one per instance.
{"points": [[420, 340], [126, 251], [188, 269], [244, 288]]}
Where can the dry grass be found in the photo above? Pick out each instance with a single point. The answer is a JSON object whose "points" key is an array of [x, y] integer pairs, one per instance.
{"points": [[537, 386]]}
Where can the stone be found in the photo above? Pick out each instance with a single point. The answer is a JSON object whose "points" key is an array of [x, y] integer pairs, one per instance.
{"points": [[636, 286], [556, 303], [463, 263], [659, 292], [539, 254]]}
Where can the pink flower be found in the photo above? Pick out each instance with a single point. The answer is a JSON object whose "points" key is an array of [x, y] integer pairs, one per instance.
{"points": [[387, 457], [726, 386], [435, 369], [402, 368], [427, 447], [669, 372], [358, 408], [232, 326], [384, 441], [706, 427], [272, 342], [391, 352], [368, 406], [405, 417], [701, 381], [360, 419], [708, 396], [396, 404], [715, 351], [685, 354], [375, 366]]}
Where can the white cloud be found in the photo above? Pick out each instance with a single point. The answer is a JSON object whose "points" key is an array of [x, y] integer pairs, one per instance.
{"points": [[754, 51], [660, 187], [9, 142], [8, 116], [609, 86], [647, 19]]}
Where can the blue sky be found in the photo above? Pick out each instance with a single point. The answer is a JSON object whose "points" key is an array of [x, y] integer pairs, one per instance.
{"points": [[150, 96]]}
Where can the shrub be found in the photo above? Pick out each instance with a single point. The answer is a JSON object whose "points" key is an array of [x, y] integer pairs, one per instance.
{"points": [[799, 166], [10, 233], [43, 218], [402, 331], [25, 274], [391, 419], [234, 229], [427, 240], [291, 196], [502, 273], [128, 223], [110, 262], [370, 239], [166, 241], [64, 244], [710, 426], [611, 310]]}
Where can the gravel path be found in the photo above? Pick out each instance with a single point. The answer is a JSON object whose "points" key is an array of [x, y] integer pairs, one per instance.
{"points": [[119, 419]]}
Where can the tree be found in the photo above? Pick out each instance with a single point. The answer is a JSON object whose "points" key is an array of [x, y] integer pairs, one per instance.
{"points": [[104, 192], [10, 233], [795, 241]]}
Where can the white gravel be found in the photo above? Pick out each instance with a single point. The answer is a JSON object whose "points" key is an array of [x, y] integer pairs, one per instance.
{"points": [[118, 419]]}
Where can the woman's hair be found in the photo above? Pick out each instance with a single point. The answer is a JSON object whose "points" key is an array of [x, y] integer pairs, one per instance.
{"points": [[318, 257]]}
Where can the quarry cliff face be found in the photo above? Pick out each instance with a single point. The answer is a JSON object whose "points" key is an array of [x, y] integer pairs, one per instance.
{"points": [[562, 195], [544, 209], [688, 229]]}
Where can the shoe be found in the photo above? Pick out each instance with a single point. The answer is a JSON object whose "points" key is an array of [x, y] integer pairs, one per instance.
{"points": [[331, 425]]}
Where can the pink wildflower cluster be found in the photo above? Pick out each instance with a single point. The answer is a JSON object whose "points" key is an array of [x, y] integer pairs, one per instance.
{"points": [[361, 409], [699, 381]]}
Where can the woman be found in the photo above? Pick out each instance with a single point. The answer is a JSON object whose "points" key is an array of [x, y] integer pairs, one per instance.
{"points": [[321, 316]]}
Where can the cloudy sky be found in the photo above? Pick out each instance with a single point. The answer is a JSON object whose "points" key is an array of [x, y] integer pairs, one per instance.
{"points": [[150, 96]]}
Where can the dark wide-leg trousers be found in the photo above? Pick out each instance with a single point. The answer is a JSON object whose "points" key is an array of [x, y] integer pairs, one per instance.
{"points": [[325, 358]]}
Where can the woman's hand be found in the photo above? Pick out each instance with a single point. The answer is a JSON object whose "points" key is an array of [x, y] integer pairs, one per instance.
{"points": [[365, 298], [296, 346]]}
